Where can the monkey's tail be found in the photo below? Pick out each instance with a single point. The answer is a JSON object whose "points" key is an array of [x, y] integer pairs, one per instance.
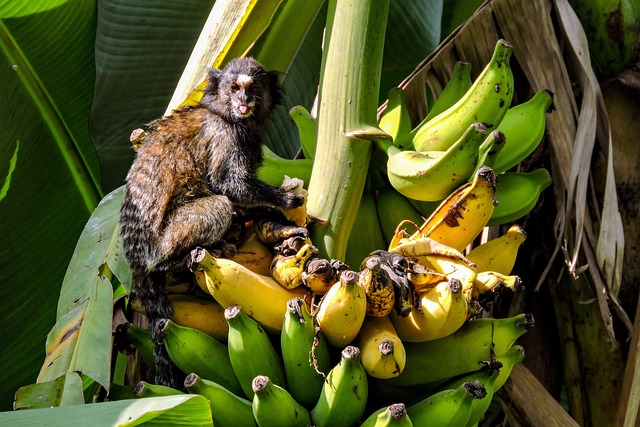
{"points": [[153, 297]]}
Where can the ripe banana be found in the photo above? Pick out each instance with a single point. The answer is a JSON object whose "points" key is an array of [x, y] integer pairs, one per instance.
{"points": [[273, 406], [523, 126], [230, 283], [273, 232], [395, 119], [250, 350], [447, 408], [307, 130], [274, 168], [297, 215], [420, 248], [498, 254], [204, 314], [477, 341], [377, 287], [194, 351], [254, 255], [463, 215], [518, 194], [144, 389], [319, 276], [424, 278], [489, 150], [433, 175], [488, 281], [303, 350], [287, 270], [227, 409], [344, 394], [444, 311], [390, 416], [486, 101], [366, 234], [342, 310], [455, 269], [381, 350]]}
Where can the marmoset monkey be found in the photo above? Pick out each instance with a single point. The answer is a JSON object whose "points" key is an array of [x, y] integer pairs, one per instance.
{"points": [[196, 167]]}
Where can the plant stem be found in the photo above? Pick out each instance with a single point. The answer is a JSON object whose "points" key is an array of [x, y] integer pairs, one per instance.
{"points": [[350, 83]]}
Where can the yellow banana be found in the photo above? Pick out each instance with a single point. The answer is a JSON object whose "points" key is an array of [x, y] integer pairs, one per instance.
{"points": [[381, 350], [456, 269], [487, 281], [254, 255], [204, 314], [444, 311], [342, 310], [395, 119], [421, 247], [433, 175], [261, 297], [498, 254], [486, 101], [524, 127], [296, 215], [319, 276], [518, 194], [461, 217], [287, 270], [377, 287], [424, 278]]}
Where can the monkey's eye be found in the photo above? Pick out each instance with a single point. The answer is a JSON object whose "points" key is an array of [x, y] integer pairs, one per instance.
{"points": [[234, 87]]}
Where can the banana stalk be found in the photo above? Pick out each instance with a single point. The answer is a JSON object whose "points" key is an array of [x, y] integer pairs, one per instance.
{"points": [[346, 119]]}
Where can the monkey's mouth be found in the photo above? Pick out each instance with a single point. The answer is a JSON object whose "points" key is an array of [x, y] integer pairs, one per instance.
{"points": [[243, 110]]}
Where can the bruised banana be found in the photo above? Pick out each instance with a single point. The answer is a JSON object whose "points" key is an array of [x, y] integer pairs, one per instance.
{"points": [[395, 119], [273, 406], [433, 175], [381, 350], [444, 311], [287, 270], [229, 283], [274, 168], [297, 215], [518, 194], [498, 254], [491, 281], [254, 255], [246, 337], [204, 314], [274, 232], [447, 408], [420, 248], [477, 341], [463, 215], [303, 350], [307, 130], [523, 127], [319, 276], [377, 287], [344, 394], [394, 415], [227, 409], [486, 101], [424, 278], [342, 310], [193, 351]]}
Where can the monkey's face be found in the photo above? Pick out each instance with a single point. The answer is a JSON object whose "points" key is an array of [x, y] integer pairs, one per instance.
{"points": [[244, 95]]}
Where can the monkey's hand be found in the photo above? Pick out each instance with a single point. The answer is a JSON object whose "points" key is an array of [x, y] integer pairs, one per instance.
{"points": [[291, 199]]}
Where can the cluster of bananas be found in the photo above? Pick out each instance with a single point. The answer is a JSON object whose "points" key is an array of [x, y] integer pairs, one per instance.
{"points": [[397, 340]]}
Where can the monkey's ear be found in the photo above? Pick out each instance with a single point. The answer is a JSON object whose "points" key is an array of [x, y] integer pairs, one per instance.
{"points": [[214, 79], [276, 89]]}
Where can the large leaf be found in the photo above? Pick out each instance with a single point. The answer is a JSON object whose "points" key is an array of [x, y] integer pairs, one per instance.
{"points": [[47, 72]]}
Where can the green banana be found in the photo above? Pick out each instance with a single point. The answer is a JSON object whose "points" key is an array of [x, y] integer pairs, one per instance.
{"points": [[523, 126], [227, 409], [194, 351], [476, 342], [274, 168], [144, 389], [395, 119], [250, 350], [307, 130], [433, 175], [302, 351], [141, 340], [518, 194], [366, 234], [392, 415], [486, 101], [344, 394], [273, 406], [447, 408], [489, 150]]}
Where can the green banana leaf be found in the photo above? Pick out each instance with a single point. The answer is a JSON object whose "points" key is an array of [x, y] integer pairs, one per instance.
{"points": [[181, 410]]}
